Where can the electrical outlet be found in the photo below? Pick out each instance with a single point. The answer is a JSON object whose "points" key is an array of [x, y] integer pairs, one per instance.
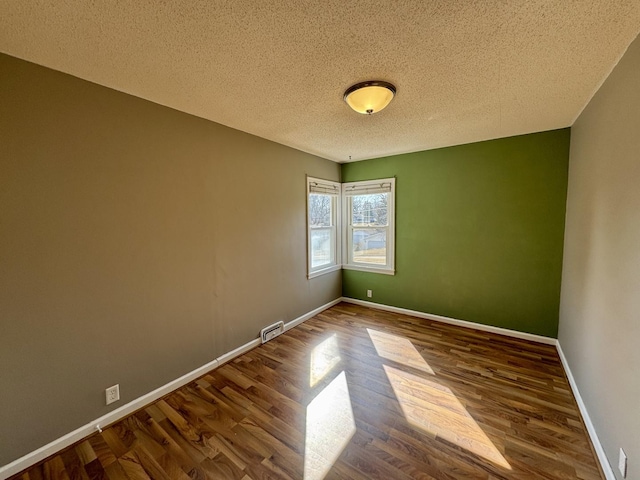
{"points": [[112, 394], [369, 293], [622, 463]]}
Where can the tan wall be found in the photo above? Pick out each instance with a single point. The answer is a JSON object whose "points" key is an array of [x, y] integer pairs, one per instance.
{"points": [[600, 304], [136, 244]]}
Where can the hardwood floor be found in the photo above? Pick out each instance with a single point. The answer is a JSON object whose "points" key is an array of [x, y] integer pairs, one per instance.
{"points": [[354, 393]]}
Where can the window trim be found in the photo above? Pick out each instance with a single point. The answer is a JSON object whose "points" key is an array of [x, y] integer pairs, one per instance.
{"points": [[368, 186], [335, 229]]}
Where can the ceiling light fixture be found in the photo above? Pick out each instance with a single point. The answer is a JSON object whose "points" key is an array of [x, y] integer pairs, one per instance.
{"points": [[369, 97]]}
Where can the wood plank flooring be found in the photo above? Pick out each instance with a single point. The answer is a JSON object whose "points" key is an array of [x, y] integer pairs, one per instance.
{"points": [[354, 393]]}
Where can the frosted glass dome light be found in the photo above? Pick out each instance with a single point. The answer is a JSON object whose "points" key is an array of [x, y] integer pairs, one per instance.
{"points": [[369, 97]]}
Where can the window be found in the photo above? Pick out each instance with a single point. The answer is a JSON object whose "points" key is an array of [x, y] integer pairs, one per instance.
{"points": [[365, 241], [370, 231], [323, 197]]}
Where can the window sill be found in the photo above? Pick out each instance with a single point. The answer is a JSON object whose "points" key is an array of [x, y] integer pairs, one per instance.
{"points": [[364, 268], [317, 273]]}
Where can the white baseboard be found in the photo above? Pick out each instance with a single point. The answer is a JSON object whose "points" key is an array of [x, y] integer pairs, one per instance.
{"points": [[287, 326], [454, 321], [236, 352], [602, 457], [312, 313], [111, 417], [70, 438], [116, 415]]}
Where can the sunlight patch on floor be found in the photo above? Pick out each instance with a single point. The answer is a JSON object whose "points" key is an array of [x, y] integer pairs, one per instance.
{"points": [[330, 426], [398, 349], [324, 357], [434, 408]]}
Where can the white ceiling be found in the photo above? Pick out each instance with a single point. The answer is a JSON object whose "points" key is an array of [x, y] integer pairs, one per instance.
{"points": [[465, 70]]}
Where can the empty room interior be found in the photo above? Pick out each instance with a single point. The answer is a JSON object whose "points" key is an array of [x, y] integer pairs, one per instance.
{"points": [[319, 239]]}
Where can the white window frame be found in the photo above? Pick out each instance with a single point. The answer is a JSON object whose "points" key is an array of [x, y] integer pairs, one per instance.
{"points": [[364, 187], [321, 186]]}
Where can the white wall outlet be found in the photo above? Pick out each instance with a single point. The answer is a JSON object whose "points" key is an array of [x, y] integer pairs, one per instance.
{"points": [[622, 463], [369, 293], [112, 394]]}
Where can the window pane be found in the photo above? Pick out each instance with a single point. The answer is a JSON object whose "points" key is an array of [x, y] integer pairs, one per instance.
{"points": [[320, 210], [321, 247], [369, 209], [370, 245]]}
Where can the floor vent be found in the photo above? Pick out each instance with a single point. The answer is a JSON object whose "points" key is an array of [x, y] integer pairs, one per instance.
{"points": [[267, 333]]}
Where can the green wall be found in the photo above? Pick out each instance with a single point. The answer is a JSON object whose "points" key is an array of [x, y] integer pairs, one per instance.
{"points": [[479, 231]]}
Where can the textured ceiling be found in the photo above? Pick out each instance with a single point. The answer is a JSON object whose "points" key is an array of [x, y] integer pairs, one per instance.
{"points": [[465, 70]]}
